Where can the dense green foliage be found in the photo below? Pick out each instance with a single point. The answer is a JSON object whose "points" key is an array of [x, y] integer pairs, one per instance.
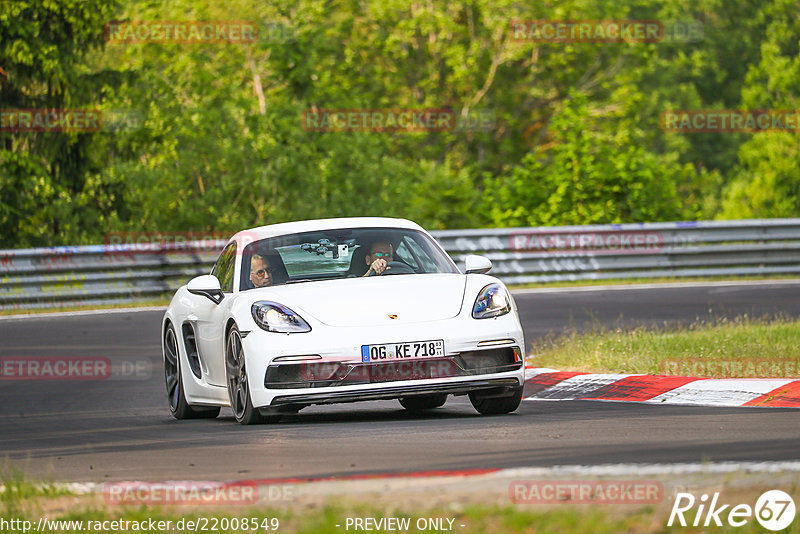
{"points": [[208, 136]]}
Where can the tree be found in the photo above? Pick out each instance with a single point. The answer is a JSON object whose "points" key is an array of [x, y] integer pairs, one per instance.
{"points": [[766, 182], [44, 193], [586, 175]]}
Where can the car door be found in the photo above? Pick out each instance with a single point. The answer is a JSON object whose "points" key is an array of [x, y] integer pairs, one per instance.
{"points": [[209, 320]]}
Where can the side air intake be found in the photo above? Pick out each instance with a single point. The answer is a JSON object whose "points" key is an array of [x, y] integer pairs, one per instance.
{"points": [[191, 350]]}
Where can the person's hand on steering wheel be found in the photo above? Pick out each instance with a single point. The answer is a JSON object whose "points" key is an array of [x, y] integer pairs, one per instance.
{"points": [[378, 266]]}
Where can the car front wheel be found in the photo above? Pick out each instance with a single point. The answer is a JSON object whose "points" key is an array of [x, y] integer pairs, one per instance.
{"points": [[238, 386]]}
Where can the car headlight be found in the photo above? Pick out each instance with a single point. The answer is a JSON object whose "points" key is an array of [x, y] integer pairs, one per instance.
{"points": [[274, 317], [492, 301]]}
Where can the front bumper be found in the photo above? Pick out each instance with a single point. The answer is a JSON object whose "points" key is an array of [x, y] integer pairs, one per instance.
{"points": [[351, 381]]}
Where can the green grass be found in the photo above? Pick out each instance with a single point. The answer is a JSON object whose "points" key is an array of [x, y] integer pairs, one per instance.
{"points": [[722, 348], [493, 519], [659, 280], [554, 519], [162, 301], [16, 490], [23, 500], [20, 499]]}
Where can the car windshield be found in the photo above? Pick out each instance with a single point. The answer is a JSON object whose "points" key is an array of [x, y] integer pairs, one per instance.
{"points": [[340, 253]]}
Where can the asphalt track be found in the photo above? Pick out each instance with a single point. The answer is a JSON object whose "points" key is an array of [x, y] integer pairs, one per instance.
{"points": [[120, 428]]}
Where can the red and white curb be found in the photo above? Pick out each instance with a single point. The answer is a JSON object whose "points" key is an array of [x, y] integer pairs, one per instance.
{"points": [[550, 385]]}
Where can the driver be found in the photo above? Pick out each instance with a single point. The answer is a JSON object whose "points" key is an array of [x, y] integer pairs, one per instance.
{"points": [[380, 254], [260, 271]]}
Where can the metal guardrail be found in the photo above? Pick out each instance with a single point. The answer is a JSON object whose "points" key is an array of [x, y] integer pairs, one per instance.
{"points": [[96, 274], [647, 250], [46, 277]]}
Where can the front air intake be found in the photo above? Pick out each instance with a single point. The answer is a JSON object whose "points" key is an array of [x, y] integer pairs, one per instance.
{"points": [[479, 362]]}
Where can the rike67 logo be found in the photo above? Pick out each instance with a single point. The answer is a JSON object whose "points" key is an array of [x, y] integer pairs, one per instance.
{"points": [[774, 510]]}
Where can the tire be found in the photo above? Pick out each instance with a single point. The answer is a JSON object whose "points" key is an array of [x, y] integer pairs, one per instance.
{"points": [[419, 403], [489, 405], [238, 386], [173, 377]]}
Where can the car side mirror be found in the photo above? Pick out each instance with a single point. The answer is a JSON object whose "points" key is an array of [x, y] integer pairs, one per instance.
{"points": [[478, 264], [208, 286]]}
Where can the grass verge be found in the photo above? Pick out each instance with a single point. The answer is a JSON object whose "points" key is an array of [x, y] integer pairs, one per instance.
{"points": [[660, 280], [17, 491], [471, 505], [162, 301], [333, 518], [742, 347]]}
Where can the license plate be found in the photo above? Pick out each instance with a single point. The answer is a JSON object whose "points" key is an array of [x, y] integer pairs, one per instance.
{"points": [[401, 351]]}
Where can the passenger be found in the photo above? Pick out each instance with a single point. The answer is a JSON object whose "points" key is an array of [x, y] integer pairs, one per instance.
{"points": [[380, 254], [260, 271]]}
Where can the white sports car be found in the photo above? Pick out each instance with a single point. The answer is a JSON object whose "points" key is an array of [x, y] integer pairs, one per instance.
{"points": [[340, 310]]}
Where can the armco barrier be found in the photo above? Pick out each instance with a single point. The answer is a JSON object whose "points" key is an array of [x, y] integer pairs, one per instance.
{"points": [[95, 274], [46, 277]]}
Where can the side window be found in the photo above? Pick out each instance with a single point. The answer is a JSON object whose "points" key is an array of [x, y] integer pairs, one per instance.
{"points": [[223, 269]]}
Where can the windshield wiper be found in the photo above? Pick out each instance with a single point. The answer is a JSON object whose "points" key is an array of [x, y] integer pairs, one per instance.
{"points": [[299, 280]]}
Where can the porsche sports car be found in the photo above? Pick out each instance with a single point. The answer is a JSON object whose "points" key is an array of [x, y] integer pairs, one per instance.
{"points": [[340, 310]]}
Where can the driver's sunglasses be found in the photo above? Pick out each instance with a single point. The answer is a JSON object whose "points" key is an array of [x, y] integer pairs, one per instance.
{"points": [[261, 273], [383, 254]]}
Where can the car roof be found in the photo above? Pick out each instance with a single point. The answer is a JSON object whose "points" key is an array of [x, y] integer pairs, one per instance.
{"points": [[272, 230]]}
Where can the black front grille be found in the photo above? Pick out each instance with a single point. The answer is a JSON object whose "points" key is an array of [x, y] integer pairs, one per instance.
{"points": [[304, 375], [324, 374]]}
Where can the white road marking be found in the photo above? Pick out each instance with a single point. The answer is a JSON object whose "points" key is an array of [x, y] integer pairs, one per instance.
{"points": [[578, 386], [654, 469], [530, 372]]}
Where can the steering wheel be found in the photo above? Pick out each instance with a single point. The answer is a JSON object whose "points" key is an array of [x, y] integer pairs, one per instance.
{"points": [[397, 267]]}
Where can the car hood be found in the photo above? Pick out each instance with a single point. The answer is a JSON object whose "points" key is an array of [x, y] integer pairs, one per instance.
{"points": [[375, 300]]}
